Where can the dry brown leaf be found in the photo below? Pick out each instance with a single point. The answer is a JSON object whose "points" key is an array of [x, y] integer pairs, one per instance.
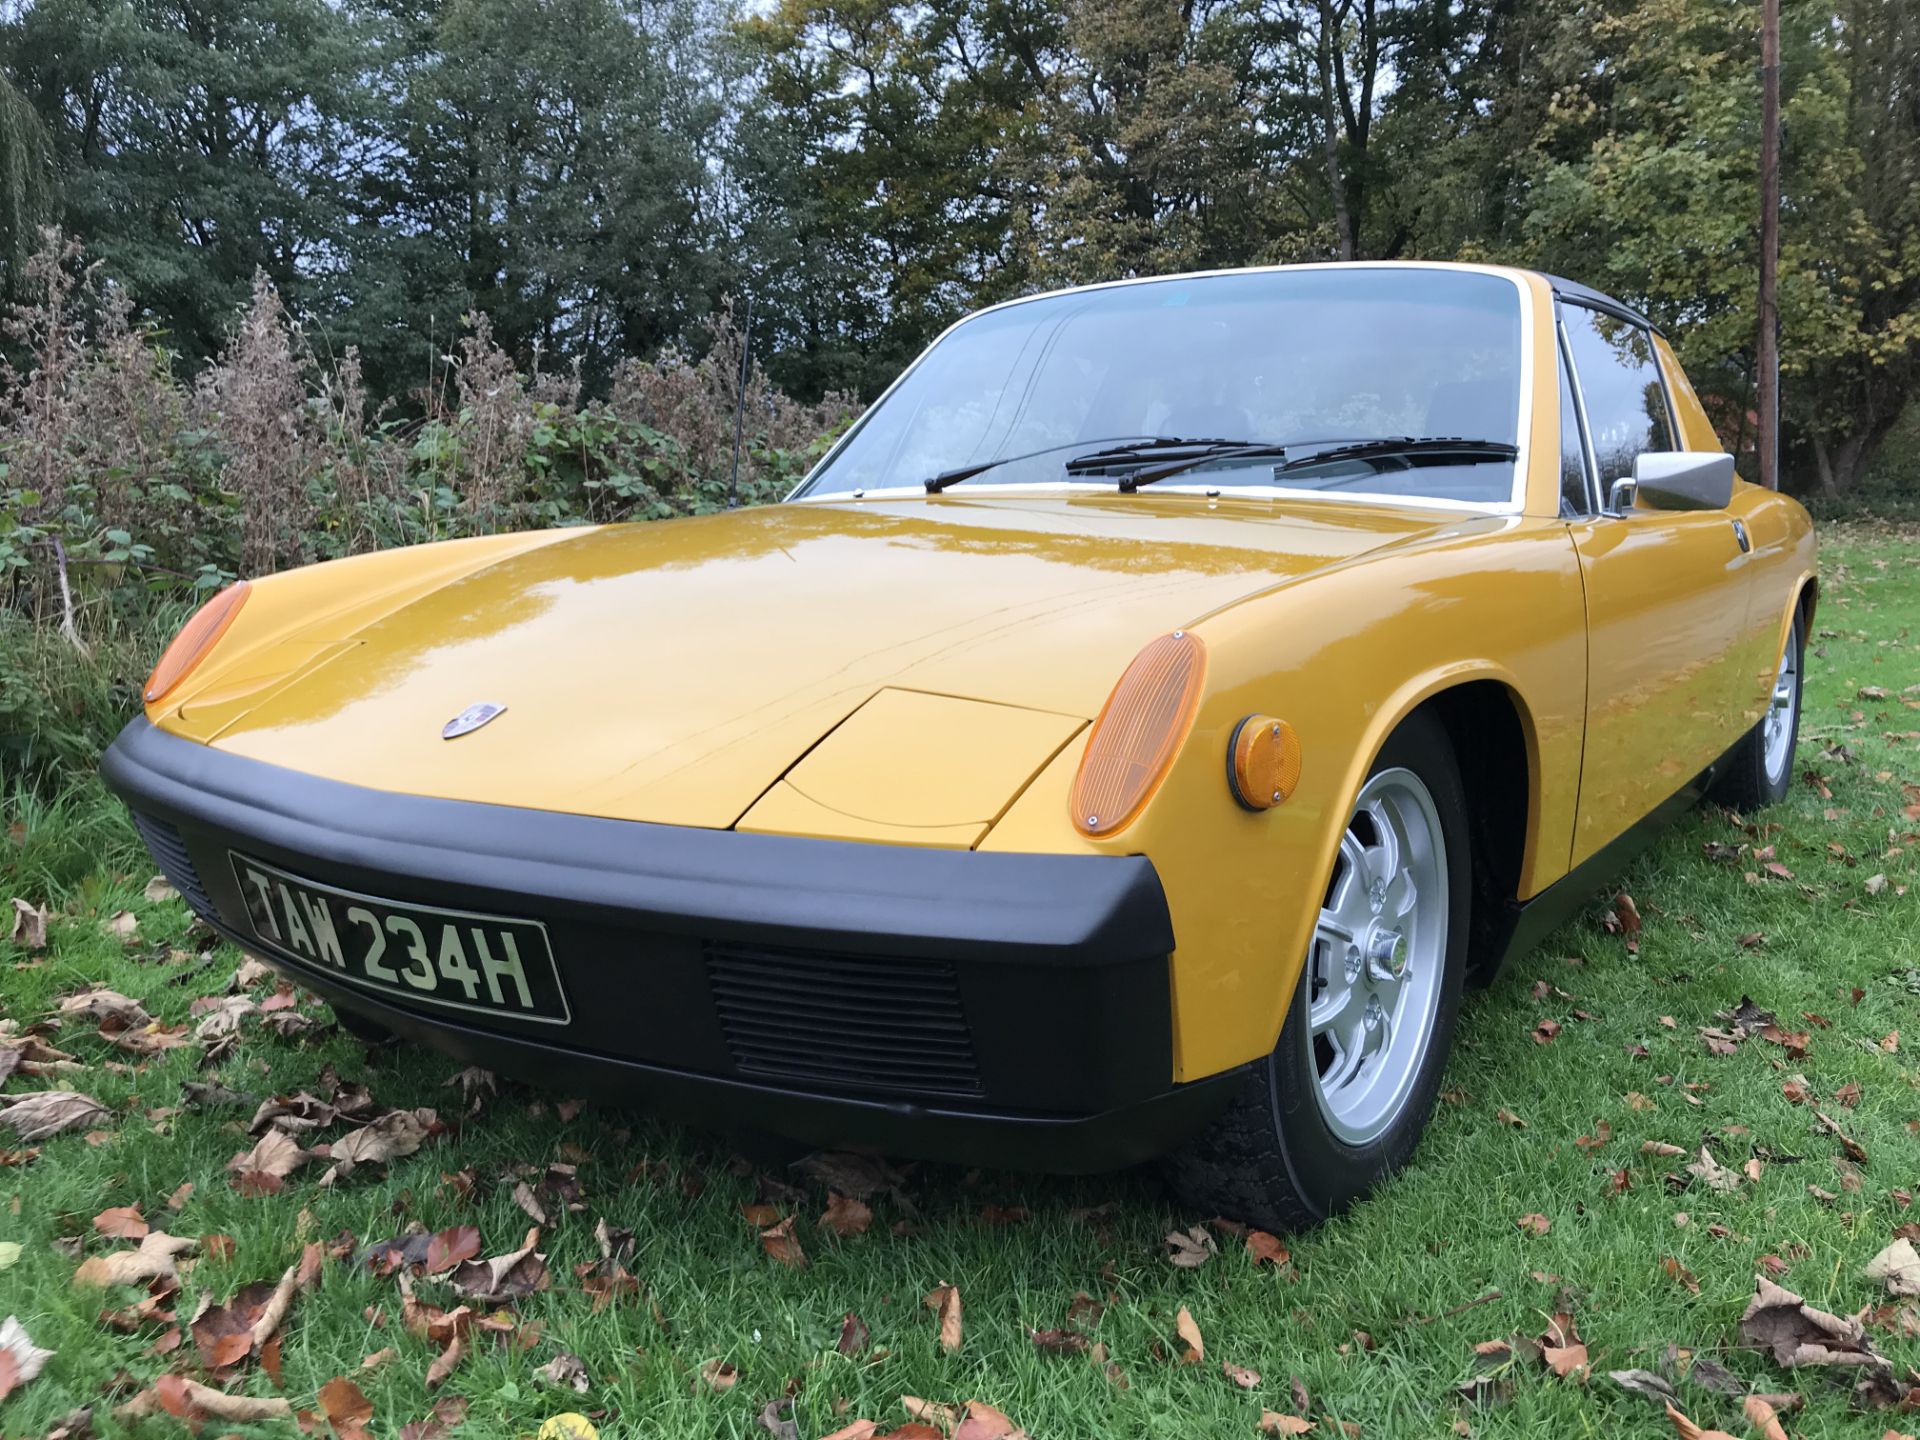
{"points": [[378, 1358], [1897, 1267], [153, 1258], [1760, 1414], [1507, 1117], [1265, 1248], [944, 1301], [1687, 1430], [189, 1400], [122, 1222], [980, 1421], [29, 925], [1797, 1334], [1272, 1422], [20, 1359], [1188, 1331], [1713, 1174], [1534, 1224], [346, 1407], [783, 1245], [393, 1136], [274, 1156], [719, 1375], [845, 1215], [511, 1276], [1239, 1375], [1192, 1248], [854, 1336], [447, 1361], [47, 1112], [858, 1430], [451, 1247], [123, 924]]}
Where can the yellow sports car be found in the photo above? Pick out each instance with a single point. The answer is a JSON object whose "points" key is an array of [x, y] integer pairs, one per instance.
{"points": [[1127, 741]]}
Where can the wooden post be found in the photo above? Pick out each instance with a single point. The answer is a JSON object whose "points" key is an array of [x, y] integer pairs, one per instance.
{"points": [[1767, 355]]}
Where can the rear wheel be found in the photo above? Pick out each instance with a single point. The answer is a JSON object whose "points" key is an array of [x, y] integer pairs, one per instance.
{"points": [[1342, 1099], [1760, 768]]}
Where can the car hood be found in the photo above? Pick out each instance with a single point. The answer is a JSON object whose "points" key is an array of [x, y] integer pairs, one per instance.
{"points": [[677, 671]]}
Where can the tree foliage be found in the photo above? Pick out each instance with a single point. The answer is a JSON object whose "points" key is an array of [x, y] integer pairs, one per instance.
{"points": [[597, 176]]}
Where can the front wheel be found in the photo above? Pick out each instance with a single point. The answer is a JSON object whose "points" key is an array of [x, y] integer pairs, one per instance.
{"points": [[1760, 768], [1342, 1100]]}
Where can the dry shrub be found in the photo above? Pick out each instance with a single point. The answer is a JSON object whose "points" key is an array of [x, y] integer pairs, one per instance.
{"points": [[693, 401], [255, 395], [494, 425], [52, 331]]}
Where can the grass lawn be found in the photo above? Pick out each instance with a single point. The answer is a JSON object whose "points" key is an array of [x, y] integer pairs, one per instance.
{"points": [[1367, 1315]]}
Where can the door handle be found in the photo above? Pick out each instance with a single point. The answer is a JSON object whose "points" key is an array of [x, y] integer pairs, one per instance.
{"points": [[1740, 534]]}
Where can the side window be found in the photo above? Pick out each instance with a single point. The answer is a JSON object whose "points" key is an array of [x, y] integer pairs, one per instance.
{"points": [[1574, 499], [1620, 383]]}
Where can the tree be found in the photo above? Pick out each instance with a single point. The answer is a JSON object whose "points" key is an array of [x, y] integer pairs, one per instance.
{"points": [[27, 182]]}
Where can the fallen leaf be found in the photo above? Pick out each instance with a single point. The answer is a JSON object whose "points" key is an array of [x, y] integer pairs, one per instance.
{"points": [[980, 1421], [1272, 1422], [1059, 1342], [153, 1258], [393, 1136], [944, 1301], [1660, 1148], [1760, 1414], [1546, 1032], [1687, 1430], [122, 1222], [346, 1407], [1265, 1248], [191, 1401], [1507, 1117], [1244, 1378], [1534, 1224], [1190, 1249], [29, 925], [511, 1276], [783, 1245], [20, 1358], [47, 1112], [1797, 1334], [854, 1336], [719, 1375], [845, 1215], [1188, 1331], [1712, 1174], [123, 924], [863, 1430], [452, 1247], [260, 1170], [1644, 1383], [1676, 1271], [1890, 1042], [567, 1371], [1897, 1267]]}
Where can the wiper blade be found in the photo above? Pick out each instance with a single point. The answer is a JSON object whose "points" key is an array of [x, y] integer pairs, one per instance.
{"points": [[1145, 450], [1219, 450], [936, 483], [1471, 451]]}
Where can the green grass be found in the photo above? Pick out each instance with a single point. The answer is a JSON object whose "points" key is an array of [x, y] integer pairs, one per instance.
{"points": [[1442, 1235]]}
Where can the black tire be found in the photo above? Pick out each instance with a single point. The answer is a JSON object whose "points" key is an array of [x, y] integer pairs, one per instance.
{"points": [[1272, 1159], [1746, 784]]}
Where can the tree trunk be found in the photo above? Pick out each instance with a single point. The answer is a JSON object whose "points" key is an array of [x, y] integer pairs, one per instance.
{"points": [[1330, 120]]}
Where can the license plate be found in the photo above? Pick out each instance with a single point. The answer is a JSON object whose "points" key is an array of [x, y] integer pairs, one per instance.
{"points": [[422, 954]]}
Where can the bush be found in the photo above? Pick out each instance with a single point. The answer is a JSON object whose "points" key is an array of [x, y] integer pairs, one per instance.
{"points": [[126, 496]]}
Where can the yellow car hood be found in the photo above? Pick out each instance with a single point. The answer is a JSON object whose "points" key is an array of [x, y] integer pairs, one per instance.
{"points": [[676, 671]]}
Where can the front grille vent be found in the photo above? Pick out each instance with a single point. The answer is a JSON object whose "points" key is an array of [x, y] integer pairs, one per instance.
{"points": [[843, 1022], [170, 854]]}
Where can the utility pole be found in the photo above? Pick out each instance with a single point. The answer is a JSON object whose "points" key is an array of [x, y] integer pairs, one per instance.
{"points": [[1767, 359]]}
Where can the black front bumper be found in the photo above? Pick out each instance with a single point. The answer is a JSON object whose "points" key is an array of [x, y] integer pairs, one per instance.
{"points": [[983, 1008]]}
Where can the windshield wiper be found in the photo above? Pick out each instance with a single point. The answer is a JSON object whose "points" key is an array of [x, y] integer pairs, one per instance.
{"points": [[1209, 451], [1471, 452], [1146, 450], [936, 483]]}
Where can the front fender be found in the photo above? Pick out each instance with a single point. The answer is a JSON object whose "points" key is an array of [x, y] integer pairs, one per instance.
{"points": [[1344, 657]]}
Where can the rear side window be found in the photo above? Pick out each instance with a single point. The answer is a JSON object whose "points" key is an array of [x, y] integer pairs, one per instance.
{"points": [[1620, 385]]}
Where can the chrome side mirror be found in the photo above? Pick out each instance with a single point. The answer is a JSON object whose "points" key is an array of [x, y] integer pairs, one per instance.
{"points": [[1620, 496], [1681, 480]]}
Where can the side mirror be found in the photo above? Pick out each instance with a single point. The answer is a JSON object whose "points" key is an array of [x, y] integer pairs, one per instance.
{"points": [[1682, 480]]}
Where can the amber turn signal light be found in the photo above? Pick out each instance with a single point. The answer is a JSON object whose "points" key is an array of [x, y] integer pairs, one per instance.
{"points": [[1263, 762], [196, 638], [1138, 733]]}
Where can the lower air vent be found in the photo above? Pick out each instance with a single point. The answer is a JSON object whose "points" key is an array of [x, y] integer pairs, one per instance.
{"points": [[170, 854], [843, 1022]]}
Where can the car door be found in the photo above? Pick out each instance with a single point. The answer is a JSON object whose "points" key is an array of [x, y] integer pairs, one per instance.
{"points": [[1666, 599]]}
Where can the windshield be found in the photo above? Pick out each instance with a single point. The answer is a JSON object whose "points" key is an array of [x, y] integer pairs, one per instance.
{"points": [[1293, 357]]}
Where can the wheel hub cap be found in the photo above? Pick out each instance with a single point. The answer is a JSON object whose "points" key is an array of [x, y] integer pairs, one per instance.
{"points": [[1378, 955]]}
